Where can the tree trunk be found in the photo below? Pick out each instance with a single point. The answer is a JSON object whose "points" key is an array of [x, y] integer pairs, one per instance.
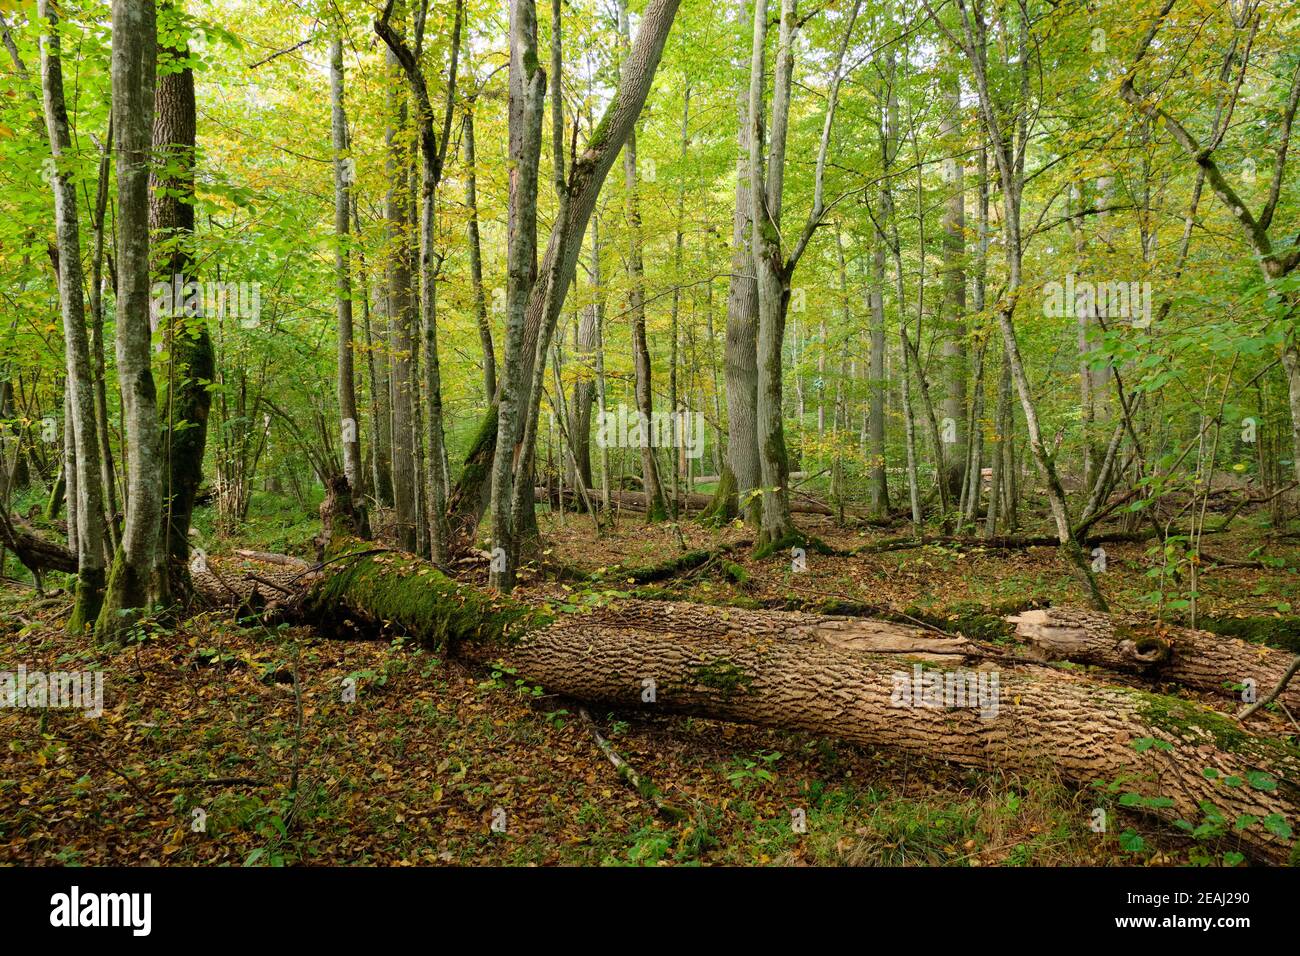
{"points": [[186, 400], [86, 530], [738, 496], [134, 58], [584, 393], [476, 262], [546, 298], [401, 314], [636, 310], [343, 176], [1206, 662], [766, 186], [527, 87], [954, 289]]}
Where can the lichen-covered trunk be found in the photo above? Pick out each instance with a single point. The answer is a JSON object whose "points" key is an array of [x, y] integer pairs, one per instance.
{"points": [[741, 353], [134, 57], [86, 526]]}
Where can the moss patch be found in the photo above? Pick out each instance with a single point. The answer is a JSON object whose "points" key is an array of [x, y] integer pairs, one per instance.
{"points": [[1282, 631], [397, 590], [722, 675]]}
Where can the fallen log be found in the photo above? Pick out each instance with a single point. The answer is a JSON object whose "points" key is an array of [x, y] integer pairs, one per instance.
{"points": [[686, 501], [1196, 659], [864, 681], [37, 554]]}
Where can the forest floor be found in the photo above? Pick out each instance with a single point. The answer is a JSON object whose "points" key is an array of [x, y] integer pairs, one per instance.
{"points": [[208, 726]]}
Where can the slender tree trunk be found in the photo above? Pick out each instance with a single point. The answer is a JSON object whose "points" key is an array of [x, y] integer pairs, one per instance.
{"points": [[598, 314], [343, 177], [584, 392], [476, 262], [678, 250], [86, 529], [108, 478], [878, 482], [954, 287], [377, 377], [636, 312]]}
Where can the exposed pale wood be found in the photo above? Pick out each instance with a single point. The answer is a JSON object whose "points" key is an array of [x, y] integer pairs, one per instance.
{"points": [[1197, 659]]}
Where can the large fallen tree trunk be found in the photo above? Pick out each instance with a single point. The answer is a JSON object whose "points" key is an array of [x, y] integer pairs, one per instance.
{"points": [[865, 681], [1197, 659], [686, 501]]}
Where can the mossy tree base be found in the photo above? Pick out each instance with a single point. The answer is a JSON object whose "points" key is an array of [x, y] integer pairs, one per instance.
{"points": [[764, 549], [127, 600], [724, 506], [88, 602]]}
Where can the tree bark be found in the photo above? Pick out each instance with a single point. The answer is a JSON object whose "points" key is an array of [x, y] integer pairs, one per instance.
{"points": [[547, 297], [346, 384], [191, 365], [636, 308], [86, 520], [1200, 660], [954, 288], [401, 313], [739, 494], [842, 677], [134, 58], [476, 261]]}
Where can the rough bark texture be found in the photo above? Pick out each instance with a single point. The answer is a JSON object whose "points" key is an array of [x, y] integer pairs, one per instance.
{"points": [[831, 675], [185, 401], [1196, 659]]}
